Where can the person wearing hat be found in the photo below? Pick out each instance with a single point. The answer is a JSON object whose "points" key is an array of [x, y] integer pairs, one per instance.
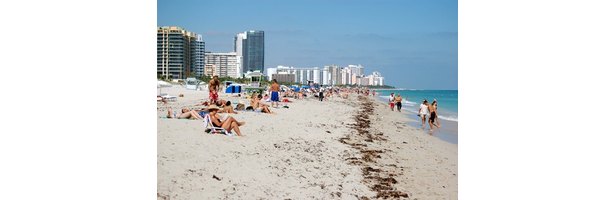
{"points": [[228, 123]]}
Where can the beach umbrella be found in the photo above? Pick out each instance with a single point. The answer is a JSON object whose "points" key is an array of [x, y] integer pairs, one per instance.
{"points": [[162, 84]]}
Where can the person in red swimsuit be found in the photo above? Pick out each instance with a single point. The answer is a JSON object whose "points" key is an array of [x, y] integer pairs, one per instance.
{"points": [[214, 86]]}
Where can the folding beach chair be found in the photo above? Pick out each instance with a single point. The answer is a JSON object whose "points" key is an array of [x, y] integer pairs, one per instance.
{"points": [[211, 129]]}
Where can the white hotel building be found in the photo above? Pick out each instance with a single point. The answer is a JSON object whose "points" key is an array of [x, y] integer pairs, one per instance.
{"points": [[223, 64], [329, 75]]}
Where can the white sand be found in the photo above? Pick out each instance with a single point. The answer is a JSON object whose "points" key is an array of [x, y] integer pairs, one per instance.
{"points": [[296, 154]]}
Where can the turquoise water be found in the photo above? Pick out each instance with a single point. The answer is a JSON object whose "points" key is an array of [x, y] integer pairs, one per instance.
{"points": [[447, 109]]}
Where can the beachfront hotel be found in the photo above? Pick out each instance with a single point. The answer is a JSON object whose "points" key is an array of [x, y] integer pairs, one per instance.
{"points": [[180, 53], [328, 75], [250, 47], [222, 64]]}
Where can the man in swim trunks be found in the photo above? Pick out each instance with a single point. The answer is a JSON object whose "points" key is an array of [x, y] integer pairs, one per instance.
{"points": [[392, 101], [398, 102], [432, 115], [275, 93], [214, 86]]}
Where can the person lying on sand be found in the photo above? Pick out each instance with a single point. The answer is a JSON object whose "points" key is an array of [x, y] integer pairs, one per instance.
{"points": [[161, 99], [228, 123], [186, 114]]}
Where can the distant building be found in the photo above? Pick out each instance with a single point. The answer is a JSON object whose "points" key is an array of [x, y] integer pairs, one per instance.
{"points": [[284, 78], [251, 44], [223, 64], [179, 52], [328, 75], [210, 70], [239, 40], [197, 51]]}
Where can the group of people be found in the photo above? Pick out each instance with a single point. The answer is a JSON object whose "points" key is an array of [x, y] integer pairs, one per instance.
{"points": [[426, 110], [395, 101], [431, 111]]}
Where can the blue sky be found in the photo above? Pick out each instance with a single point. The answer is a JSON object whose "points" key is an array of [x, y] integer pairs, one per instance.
{"points": [[412, 43]]}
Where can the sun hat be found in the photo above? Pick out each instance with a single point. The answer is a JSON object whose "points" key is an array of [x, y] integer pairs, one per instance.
{"points": [[212, 107]]}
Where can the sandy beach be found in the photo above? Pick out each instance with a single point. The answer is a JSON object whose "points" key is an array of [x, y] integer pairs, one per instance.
{"points": [[338, 149]]}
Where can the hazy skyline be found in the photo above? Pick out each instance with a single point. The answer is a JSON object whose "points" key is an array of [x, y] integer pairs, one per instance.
{"points": [[412, 43]]}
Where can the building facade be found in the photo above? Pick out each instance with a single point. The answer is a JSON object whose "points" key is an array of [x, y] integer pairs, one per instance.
{"points": [[252, 50], [175, 56], [223, 64], [284, 78], [328, 75], [197, 51]]}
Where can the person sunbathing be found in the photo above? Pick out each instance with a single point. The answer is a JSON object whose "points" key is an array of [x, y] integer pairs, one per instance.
{"points": [[186, 114], [228, 108], [259, 106], [227, 124], [161, 99]]}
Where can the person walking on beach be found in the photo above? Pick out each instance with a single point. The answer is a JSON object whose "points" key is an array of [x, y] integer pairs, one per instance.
{"points": [[275, 96], [392, 101], [321, 94], [423, 110], [434, 104], [432, 116], [214, 86], [398, 102]]}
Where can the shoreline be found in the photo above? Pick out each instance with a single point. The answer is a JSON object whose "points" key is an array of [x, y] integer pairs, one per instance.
{"points": [[297, 153], [447, 132]]}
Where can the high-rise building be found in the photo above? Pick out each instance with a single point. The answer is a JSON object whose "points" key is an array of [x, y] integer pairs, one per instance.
{"points": [[223, 64], [251, 44], [197, 49], [178, 52], [239, 40]]}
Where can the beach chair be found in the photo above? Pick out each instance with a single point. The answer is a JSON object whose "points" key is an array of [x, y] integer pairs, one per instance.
{"points": [[211, 129]]}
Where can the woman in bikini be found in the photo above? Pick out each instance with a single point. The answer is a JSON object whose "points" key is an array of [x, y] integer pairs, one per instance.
{"points": [[228, 123], [186, 114]]}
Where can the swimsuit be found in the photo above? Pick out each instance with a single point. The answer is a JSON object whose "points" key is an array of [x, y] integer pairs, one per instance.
{"points": [[274, 96], [214, 124], [213, 95], [432, 116]]}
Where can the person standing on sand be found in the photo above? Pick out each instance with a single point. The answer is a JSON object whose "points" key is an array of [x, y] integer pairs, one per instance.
{"points": [[275, 96], [432, 116], [214, 86], [435, 106], [320, 94], [423, 110], [398, 102], [392, 101]]}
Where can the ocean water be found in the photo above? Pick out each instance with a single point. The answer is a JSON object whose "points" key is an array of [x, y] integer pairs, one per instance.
{"points": [[447, 109]]}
